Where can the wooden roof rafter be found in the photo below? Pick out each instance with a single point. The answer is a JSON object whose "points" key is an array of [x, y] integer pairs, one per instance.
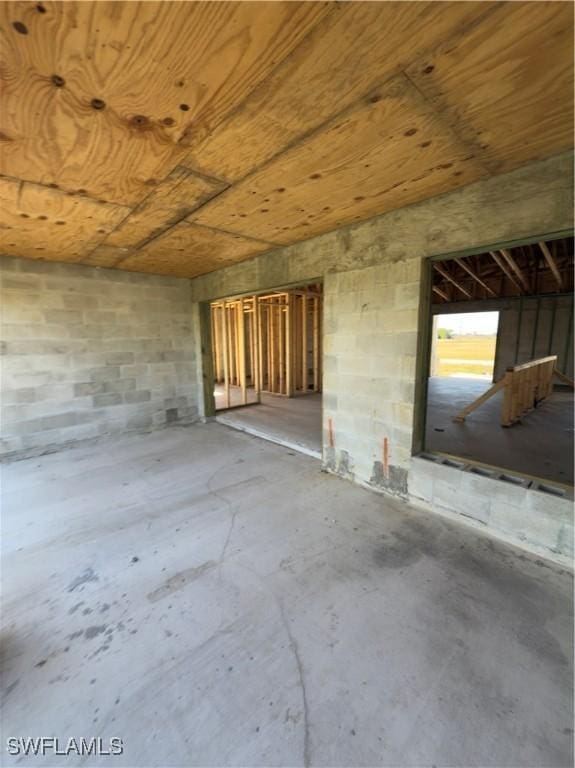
{"points": [[537, 268]]}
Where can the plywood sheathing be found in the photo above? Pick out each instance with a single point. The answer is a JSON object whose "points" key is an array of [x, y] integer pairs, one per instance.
{"points": [[187, 248], [266, 123], [44, 223]]}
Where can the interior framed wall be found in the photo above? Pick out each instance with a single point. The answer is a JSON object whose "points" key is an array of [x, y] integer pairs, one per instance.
{"points": [[288, 365], [425, 326]]}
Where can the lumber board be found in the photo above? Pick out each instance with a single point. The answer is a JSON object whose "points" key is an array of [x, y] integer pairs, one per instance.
{"points": [[563, 378], [464, 412], [524, 387]]}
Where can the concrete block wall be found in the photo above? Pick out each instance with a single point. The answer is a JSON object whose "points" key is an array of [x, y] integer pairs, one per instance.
{"points": [[370, 339], [519, 511], [89, 352], [371, 274]]}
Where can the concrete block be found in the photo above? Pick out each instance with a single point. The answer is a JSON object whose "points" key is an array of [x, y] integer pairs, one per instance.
{"points": [[104, 373], [407, 295], [111, 398], [25, 283], [420, 479], [141, 421], [99, 317], [74, 301], [474, 499], [47, 438], [88, 388], [12, 414], [64, 316], [18, 396], [58, 421], [10, 445], [121, 385], [139, 396], [134, 371], [119, 358]]}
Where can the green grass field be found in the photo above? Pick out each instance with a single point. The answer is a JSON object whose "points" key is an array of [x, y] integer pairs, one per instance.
{"points": [[466, 354]]}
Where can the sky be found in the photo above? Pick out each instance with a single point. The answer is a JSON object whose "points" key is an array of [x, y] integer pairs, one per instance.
{"points": [[470, 322]]}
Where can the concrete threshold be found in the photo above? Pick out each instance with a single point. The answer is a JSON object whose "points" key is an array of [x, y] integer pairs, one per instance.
{"points": [[285, 442]]}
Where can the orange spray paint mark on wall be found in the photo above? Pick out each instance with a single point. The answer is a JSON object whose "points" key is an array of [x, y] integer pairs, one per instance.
{"points": [[385, 458], [330, 432]]}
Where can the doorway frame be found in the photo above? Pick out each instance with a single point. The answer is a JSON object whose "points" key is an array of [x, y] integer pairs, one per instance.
{"points": [[206, 350], [425, 324]]}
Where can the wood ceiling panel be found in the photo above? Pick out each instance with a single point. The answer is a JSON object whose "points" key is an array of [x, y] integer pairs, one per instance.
{"points": [[39, 222], [388, 151], [275, 121], [105, 256], [344, 57], [188, 250], [97, 94], [507, 85], [173, 199]]}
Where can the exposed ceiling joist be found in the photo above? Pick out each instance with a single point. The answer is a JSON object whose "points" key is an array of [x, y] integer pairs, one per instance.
{"points": [[551, 263], [503, 267], [475, 276], [488, 276], [440, 293], [512, 263], [451, 280]]}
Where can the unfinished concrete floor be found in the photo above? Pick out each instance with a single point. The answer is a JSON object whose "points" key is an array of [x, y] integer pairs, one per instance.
{"points": [[214, 600], [542, 445], [291, 421]]}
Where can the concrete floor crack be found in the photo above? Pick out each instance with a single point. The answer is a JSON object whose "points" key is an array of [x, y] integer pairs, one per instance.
{"points": [[295, 649]]}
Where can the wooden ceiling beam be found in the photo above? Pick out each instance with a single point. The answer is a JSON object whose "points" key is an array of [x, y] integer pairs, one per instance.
{"points": [[513, 264], [503, 267], [552, 265], [474, 275], [440, 293], [451, 280]]}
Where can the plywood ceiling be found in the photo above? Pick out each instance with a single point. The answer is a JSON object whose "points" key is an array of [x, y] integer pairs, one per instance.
{"points": [[180, 137]]}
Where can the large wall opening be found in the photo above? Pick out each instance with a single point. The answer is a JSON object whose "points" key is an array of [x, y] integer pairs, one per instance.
{"points": [[267, 364], [499, 393]]}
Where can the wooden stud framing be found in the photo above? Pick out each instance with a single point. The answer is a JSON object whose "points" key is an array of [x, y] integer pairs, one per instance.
{"points": [[524, 387], [266, 343]]}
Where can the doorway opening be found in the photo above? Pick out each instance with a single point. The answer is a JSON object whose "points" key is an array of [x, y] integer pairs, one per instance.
{"points": [[267, 363], [499, 362]]}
